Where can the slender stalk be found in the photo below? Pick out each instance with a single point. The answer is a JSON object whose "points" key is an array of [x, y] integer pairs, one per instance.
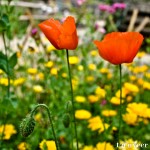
{"points": [[120, 108], [73, 107], [8, 74], [50, 119], [8, 87]]}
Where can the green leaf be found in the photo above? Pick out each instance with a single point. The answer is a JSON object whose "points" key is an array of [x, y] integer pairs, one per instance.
{"points": [[3, 62], [13, 61], [4, 23], [2, 26]]}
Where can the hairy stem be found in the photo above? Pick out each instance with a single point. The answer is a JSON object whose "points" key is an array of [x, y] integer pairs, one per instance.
{"points": [[50, 119]]}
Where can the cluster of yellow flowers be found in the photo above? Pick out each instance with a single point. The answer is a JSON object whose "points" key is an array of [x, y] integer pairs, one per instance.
{"points": [[8, 130], [136, 112]]}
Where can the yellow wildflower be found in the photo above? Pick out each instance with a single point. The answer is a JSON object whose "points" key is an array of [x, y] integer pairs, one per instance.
{"points": [[50, 145], [129, 98], [92, 67], [93, 98], [133, 78], [50, 48], [19, 81], [80, 67], [115, 101], [54, 71], [124, 92], [90, 78], [73, 60], [94, 53], [38, 117], [100, 92], [104, 70], [80, 99], [9, 131], [38, 88], [90, 147], [139, 109], [40, 76], [131, 87], [75, 82], [22, 146], [109, 75], [147, 74], [32, 71], [49, 64], [130, 118], [140, 81], [82, 114], [146, 85], [140, 54], [104, 146], [140, 69], [64, 75], [18, 54], [109, 113], [4, 81], [1, 71]]}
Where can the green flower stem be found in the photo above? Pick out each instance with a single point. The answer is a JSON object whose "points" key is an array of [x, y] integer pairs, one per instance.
{"points": [[8, 75], [50, 119], [8, 87], [120, 108], [73, 107]]}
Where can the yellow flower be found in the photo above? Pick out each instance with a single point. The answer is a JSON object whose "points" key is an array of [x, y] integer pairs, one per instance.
{"points": [[147, 74], [115, 100], [109, 113], [75, 82], [80, 67], [9, 131], [92, 67], [124, 92], [22, 146], [18, 54], [4, 81], [82, 114], [88, 147], [95, 123], [40, 76], [139, 109], [129, 145], [50, 145], [38, 89], [1, 71], [109, 75], [140, 54], [129, 98], [32, 71], [50, 48], [54, 71], [100, 92], [94, 53], [133, 78], [140, 81], [104, 146], [19, 81], [140, 69], [49, 64], [64, 75], [73, 60], [131, 87], [93, 98], [38, 117], [104, 70], [90, 78], [146, 85], [80, 99], [130, 118]]}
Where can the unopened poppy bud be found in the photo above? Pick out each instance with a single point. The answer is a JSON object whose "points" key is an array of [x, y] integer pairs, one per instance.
{"points": [[27, 126], [69, 107], [66, 120]]}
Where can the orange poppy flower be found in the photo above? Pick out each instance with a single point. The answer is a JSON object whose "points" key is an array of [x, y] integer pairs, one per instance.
{"points": [[119, 47], [61, 36]]}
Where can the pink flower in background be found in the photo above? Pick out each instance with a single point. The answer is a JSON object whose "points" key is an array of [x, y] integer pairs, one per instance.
{"points": [[34, 31], [99, 26], [80, 2], [103, 102], [119, 5], [108, 8]]}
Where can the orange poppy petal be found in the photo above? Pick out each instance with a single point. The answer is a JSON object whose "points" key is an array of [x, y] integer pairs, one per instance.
{"points": [[51, 28]]}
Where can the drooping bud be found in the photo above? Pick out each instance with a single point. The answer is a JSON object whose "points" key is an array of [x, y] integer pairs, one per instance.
{"points": [[27, 126], [66, 120]]}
